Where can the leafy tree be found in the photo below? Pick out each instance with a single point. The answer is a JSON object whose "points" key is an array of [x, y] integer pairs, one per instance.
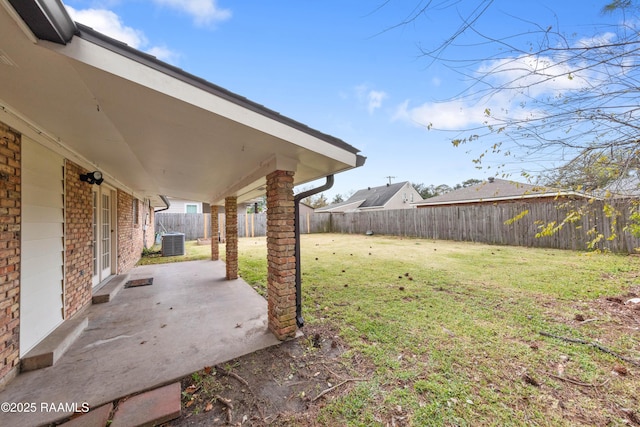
{"points": [[428, 191], [337, 199], [316, 201], [471, 182], [592, 171], [261, 203], [425, 191], [442, 189]]}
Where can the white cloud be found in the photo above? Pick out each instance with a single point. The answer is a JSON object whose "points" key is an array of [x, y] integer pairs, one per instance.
{"points": [[164, 54], [107, 22], [371, 98], [375, 98], [515, 83], [204, 12], [110, 24], [446, 115], [599, 40], [532, 75]]}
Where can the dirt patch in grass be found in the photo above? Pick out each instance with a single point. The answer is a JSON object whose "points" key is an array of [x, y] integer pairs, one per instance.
{"points": [[281, 385], [291, 383], [460, 344]]}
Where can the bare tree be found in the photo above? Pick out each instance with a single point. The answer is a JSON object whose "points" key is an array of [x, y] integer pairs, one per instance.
{"points": [[565, 102]]}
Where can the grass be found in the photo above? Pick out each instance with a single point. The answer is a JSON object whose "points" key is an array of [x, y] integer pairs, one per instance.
{"points": [[450, 329], [447, 333], [193, 252]]}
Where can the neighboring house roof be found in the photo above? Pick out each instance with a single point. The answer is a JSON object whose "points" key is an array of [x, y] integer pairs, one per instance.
{"points": [[628, 187], [369, 198], [152, 128], [495, 190]]}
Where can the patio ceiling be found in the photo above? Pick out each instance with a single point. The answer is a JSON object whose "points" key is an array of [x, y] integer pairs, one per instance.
{"points": [[151, 127]]}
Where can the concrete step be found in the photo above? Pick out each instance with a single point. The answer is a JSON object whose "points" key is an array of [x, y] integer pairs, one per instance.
{"points": [[150, 408], [98, 417], [107, 292], [49, 350]]}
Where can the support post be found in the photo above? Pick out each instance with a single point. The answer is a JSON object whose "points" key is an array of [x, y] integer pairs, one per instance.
{"points": [[215, 243], [231, 219], [281, 254]]}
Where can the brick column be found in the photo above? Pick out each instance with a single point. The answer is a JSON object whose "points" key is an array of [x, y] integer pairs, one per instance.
{"points": [[215, 250], [281, 281], [231, 215], [10, 220]]}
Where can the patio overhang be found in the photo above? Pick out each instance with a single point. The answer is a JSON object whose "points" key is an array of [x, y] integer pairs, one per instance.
{"points": [[148, 126]]}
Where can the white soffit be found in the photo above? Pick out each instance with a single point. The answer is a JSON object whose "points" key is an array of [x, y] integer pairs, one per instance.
{"points": [[96, 56]]}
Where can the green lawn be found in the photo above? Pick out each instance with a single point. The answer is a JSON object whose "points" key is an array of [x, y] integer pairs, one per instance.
{"points": [[451, 330], [193, 252], [447, 333]]}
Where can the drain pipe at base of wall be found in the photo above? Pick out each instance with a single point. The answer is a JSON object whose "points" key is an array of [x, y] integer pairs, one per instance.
{"points": [[296, 204]]}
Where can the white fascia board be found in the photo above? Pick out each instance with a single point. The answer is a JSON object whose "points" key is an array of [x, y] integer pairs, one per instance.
{"points": [[96, 56]]}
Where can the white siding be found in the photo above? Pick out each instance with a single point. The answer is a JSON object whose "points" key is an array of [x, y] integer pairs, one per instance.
{"points": [[180, 206], [42, 261]]}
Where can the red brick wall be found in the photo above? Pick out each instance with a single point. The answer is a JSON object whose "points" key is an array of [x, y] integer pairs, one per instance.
{"points": [[215, 248], [10, 221], [130, 239], [231, 214], [78, 237], [281, 280]]}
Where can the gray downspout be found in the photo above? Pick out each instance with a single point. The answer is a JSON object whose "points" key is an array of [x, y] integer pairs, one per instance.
{"points": [[296, 222], [166, 202]]}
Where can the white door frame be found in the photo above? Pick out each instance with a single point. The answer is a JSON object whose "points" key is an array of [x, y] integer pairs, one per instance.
{"points": [[104, 241]]}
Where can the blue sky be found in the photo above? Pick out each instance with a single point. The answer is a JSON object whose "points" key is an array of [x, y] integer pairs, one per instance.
{"points": [[340, 67]]}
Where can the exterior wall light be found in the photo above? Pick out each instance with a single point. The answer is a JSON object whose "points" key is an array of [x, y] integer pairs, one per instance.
{"points": [[94, 177]]}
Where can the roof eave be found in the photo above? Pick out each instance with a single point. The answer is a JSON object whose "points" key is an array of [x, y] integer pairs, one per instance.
{"points": [[47, 19], [151, 61]]}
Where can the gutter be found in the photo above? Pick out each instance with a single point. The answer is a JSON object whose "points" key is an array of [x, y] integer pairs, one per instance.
{"points": [[47, 19], [166, 202], [296, 204]]}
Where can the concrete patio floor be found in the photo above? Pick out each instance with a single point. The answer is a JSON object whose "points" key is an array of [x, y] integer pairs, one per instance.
{"points": [[148, 336]]}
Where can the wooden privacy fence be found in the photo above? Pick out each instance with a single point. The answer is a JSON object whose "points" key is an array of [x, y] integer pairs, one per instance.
{"points": [[491, 224], [196, 226], [474, 223]]}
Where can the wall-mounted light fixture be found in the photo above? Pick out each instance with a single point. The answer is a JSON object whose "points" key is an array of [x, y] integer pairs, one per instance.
{"points": [[94, 177]]}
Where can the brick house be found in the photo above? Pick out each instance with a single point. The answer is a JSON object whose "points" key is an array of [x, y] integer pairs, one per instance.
{"points": [[74, 102]]}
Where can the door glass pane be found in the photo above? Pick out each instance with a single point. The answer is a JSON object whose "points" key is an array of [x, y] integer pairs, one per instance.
{"points": [[106, 232], [94, 227]]}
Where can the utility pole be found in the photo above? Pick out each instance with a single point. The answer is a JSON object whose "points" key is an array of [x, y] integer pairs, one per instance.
{"points": [[389, 177]]}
